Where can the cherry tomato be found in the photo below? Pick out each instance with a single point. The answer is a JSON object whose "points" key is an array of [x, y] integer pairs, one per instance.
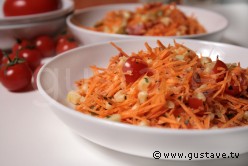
{"points": [[195, 103], [235, 90], [63, 38], [5, 60], [32, 56], [20, 45], [177, 112], [16, 77], [218, 67], [46, 45], [137, 29], [232, 90], [134, 68], [34, 83], [27, 7], [63, 46]]}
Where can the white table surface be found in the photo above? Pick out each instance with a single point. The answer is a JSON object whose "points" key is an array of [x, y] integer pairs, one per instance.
{"points": [[31, 135]]}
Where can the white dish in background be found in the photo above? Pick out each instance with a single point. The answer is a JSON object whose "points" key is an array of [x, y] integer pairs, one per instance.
{"points": [[57, 78], [66, 7], [31, 26], [9, 33], [214, 23]]}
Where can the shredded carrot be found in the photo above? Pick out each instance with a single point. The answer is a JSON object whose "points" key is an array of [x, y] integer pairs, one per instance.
{"points": [[154, 19], [182, 92]]}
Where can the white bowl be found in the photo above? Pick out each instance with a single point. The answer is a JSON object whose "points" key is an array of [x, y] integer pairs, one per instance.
{"points": [[57, 78], [67, 6], [214, 23], [9, 33]]}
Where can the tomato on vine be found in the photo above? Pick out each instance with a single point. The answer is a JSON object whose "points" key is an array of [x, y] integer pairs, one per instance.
{"points": [[21, 44], [32, 56], [65, 44], [16, 75], [46, 45], [5, 59]]}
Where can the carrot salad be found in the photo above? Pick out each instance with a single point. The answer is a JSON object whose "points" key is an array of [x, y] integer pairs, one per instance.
{"points": [[155, 19], [167, 87]]}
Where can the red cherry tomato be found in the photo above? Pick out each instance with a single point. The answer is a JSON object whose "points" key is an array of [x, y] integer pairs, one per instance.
{"points": [[34, 83], [232, 90], [27, 7], [46, 45], [218, 67], [195, 103], [63, 46], [32, 56], [137, 29], [235, 90], [134, 68], [177, 112], [21, 44], [63, 38], [5, 60], [16, 77]]}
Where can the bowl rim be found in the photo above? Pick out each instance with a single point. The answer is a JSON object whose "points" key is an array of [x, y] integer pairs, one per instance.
{"points": [[27, 25], [153, 130], [66, 8], [103, 34]]}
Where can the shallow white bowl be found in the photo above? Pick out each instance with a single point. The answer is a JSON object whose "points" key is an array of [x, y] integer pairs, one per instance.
{"points": [[214, 23], [57, 78], [67, 6]]}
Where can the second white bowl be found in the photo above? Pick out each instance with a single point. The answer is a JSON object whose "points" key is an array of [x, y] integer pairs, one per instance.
{"points": [[214, 23]]}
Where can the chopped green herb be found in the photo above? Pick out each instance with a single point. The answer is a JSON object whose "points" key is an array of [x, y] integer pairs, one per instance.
{"points": [[230, 115], [146, 79], [160, 13]]}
